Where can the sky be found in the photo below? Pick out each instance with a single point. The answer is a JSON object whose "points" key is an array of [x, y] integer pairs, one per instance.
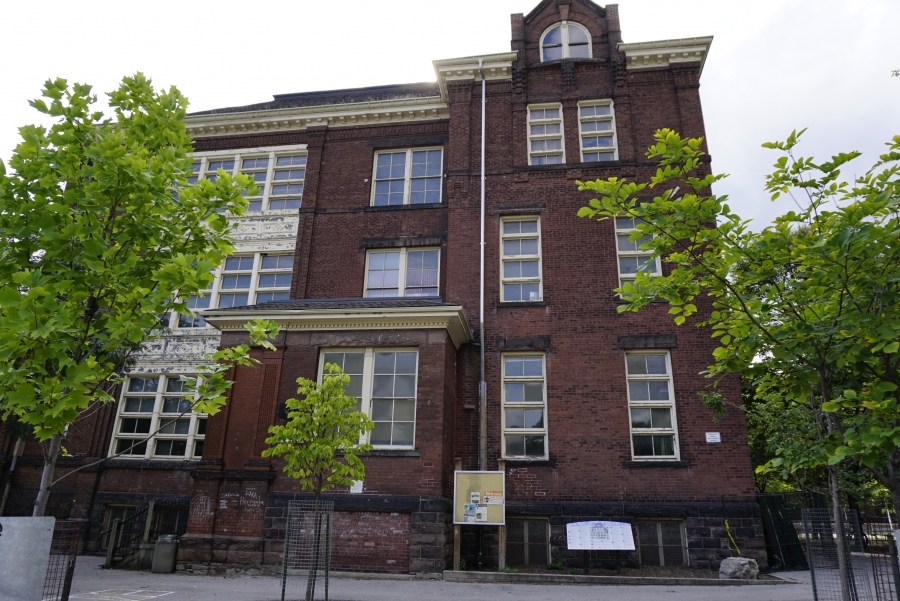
{"points": [[774, 65]]}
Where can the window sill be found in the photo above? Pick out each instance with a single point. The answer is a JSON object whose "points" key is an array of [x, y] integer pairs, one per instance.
{"points": [[434, 205], [392, 453], [658, 463], [506, 304], [521, 461]]}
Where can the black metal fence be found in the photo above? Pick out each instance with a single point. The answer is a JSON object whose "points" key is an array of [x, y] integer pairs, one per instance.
{"points": [[63, 551], [127, 540]]}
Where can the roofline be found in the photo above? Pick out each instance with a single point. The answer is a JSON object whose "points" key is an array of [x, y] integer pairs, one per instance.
{"points": [[382, 88]]}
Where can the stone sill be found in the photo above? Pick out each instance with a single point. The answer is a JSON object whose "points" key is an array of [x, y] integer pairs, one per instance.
{"points": [[658, 463], [511, 304]]}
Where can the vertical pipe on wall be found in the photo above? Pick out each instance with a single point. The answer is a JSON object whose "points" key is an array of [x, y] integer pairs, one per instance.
{"points": [[482, 384]]}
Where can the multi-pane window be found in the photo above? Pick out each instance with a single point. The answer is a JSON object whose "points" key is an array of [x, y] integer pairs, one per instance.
{"points": [[597, 129], [651, 405], [287, 185], [402, 272], [410, 176], [527, 541], [278, 174], [662, 543], [253, 279], [545, 137], [520, 259], [258, 169], [241, 280], [384, 381], [158, 404], [631, 257], [195, 173], [565, 40], [524, 406]]}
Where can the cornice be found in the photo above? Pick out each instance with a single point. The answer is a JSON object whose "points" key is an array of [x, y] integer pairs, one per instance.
{"points": [[376, 112], [662, 53], [443, 317], [496, 66], [334, 115]]}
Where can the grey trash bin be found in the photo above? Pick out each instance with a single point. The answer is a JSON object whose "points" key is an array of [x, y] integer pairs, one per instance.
{"points": [[164, 554]]}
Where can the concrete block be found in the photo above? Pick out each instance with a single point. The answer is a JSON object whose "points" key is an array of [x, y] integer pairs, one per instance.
{"points": [[24, 555]]}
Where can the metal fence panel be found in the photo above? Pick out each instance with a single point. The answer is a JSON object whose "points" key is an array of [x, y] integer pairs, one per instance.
{"points": [[881, 546], [823, 538], [307, 550], [61, 569]]}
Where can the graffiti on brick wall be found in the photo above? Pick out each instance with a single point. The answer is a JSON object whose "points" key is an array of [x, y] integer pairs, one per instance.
{"points": [[201, 513]]}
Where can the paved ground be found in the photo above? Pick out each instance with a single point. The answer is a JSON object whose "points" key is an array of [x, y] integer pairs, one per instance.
{"points": [[91, 582]]}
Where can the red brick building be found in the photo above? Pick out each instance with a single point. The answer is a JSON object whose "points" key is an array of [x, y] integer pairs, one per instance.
{"points": [[365, 247]]}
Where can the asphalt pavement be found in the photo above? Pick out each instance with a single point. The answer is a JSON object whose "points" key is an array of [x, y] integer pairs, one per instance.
{"points": [[93, 582]]}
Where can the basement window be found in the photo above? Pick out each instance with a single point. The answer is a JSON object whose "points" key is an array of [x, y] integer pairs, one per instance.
{"points": [[662, 543], [527, 541]]}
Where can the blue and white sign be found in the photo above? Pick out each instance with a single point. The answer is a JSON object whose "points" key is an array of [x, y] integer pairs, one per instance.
{"points": [[603, 536]]}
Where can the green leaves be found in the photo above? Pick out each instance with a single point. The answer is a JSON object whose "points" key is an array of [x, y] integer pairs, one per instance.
{"points": [[95, 245], [320, 442], [809, 301]]}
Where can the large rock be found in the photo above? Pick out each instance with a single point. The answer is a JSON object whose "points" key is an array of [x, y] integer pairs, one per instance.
{"points": [[738, 568]]}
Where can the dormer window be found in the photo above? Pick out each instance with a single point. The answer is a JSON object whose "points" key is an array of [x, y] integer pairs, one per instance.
{"points": [[565, 40]]}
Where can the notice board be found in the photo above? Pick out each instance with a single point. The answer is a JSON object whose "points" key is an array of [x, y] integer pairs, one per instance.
{"points": [[479, 498]]}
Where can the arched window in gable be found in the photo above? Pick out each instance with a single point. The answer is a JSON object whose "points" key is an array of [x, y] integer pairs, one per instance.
{"points": [[565, 40]]}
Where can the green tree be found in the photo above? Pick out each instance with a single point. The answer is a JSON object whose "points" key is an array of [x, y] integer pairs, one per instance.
{"points": [[812, 298], [320, 443], [99, 235]]}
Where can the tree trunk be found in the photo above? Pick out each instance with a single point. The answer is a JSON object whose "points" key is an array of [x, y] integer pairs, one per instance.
{"points": [[40, 504], [839, 541], [314, 566]]}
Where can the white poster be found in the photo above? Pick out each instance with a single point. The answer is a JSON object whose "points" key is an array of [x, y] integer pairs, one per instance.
{"points": [[608, 536]]}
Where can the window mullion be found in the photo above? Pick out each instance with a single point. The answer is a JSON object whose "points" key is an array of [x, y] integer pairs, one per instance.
{"points": [[407, 176], [270, 177], [401, 277]]}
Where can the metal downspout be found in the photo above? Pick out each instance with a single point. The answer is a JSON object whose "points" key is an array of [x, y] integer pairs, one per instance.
{"points": [[482, 384]]}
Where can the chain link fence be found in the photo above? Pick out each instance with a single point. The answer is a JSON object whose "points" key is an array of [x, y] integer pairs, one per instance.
{"points": [[307, 551]]}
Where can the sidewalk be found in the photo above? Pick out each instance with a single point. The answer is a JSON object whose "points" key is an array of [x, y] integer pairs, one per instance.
{"points": [[92, 582]]}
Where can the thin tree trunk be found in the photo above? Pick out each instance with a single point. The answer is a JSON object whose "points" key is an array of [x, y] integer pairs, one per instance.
{"points": [[834, 489], [314, 567], [40, 504]]}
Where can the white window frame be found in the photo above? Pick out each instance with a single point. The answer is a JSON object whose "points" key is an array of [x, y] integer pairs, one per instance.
{"points": [[407, 176], [270, 152], [504, 259], [157, 418], [582, 120], [565, 39], [215, 290], [535, 154], [368, 384], [523, 405], [670, 404], [620, 254], [401, 284]]}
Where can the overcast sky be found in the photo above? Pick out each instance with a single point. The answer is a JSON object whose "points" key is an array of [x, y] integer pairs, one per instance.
{"points": [[774, 65]]}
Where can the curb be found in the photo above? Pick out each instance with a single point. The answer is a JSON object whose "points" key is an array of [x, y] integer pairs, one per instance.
{"points": [[506, 578]]}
